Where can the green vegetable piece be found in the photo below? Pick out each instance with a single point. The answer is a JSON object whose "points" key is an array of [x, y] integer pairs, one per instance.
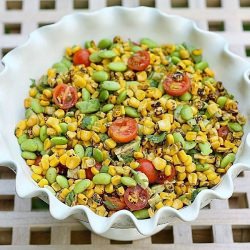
{"points": [[60, 68], [107, 54], [107, 107], [110, 85], [87, 44], [59, 140], [229, 158], [89, 121], [177, 114], [29, 145], [128, 181], [100, 76], [175, 59], [88, 152], [28, 155], [131, 112], [141, 214], [95, 58], [81, 186], [79, 150], [234, 127], [141, 179], [186, 97], [117, 66], [122, 97], [97, 154], [154, 83], [149, 43], [22, 138], [196, 192], [205, 148], [43, 133], [201, 65], [104, 169], [201, 168], [28, 113], [221, 101], [85, 95], [158, 138], [104, 95], [186, 113], [39, 144], [51, 175], [178, 138], [64, 127], [105, 43], [70, 113], [188, 145], [66, 62], [102, 179], [131, 83], [103, 137], [36, 106], [62, 181], [90, 106], [70, 198], [135, 48]]}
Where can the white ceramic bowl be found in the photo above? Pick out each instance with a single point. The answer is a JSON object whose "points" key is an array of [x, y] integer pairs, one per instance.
{"points": [[46, 46]]}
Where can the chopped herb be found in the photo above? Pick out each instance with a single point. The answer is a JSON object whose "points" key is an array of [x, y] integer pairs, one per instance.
{"points": [[33, 83], [70, 198], [196, 192], [157, 138]]}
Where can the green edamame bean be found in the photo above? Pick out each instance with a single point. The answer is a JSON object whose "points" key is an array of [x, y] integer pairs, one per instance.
{"points": [[88, 152], [221, 101], [22, 138], [97, 154], [131, 112], [60, 68], [51, 175], [201, 65], [81, 186], [177, 114], [28, 155], [135, 48], [62, 181], [107, 54], [175, 59], [104, 169], [122, 96], [64, 127], [95, 58], [205, 148], [29, 145], [89, 121], [185, 97], [39, 143], [107, 107], [160, 87], [36, 106], [178, 138], [100, 76], [141, 214], [43, 133], [117, 66], [128, 181], [85, 95], [66, 62], [175, 53], [87, 44], [110, 85], [90, 106], [149, 43], [188, 145], [229, 158], [102, 179], [105, 43], [201, 168], [104, 95], [59, 140], [79, 150], [186, 113], [28, 113], [234, 126]]}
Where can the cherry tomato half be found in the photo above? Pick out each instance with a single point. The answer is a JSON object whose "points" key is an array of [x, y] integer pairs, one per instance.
{"points": [[139, 61], [65, 96], [123, 130], [89, 174], [81, 57], [223, 131], [114, 203], [176, 84], [136, 198], [148, 169], [162, 177]]}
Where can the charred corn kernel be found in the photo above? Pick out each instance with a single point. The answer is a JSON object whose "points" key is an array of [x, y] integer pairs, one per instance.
{"points": [[72, 126], [36, 177], [138, 155], [112, 170], [73, 161], [177, 204], [159, 163], [164, 125], [42, 183], [212, 109], [116, 180], [99, 189], [45, 162], [32, 121], [82, 199], [109, 188], [168, 170], [63, 159], [81, 174], [176, 160], [181, 176], [56, 186], [133, 102], [67, 119], [86, 135], [190, 168], [64, 193], [211, 176], [159, 205], [37, 169], [215, 181], [94, 171], [120, 191], [89, 193], [170, 139], [140, 94], [141, 76], [180, 169], [191, 136], [30, 162], [192, 179], [95, 137], [182, 155]]}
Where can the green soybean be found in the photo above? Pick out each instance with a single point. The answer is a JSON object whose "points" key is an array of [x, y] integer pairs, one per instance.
{"points": [[59, 140], [117, 66], [87, 44], [186, 113], [62, 181], [234, 127], [97, 155], [102, 179], [107, 54], [29, 145], [64, 127], [90, 106], [104, 95], [105, 43], [95, 58], [188, 145], [107, 107], [128, 181], [88, 152], [79, 150], [201, 168], [81, 186], [110, 85], [186, 97], [104, 169], [100, 76], [85, 94], [131, 112], [60, 68], [141, 214], [201, 65], [28, 155], [39, 143], [22, 138], [136, 48], [43, 133], [122, 97], [66, 62], [229, 158], [221, 101], [175, 59], [149, 43], [178, 138], [205, 148], [51, 175], [36, 106], [28, 113], [89, 121]]}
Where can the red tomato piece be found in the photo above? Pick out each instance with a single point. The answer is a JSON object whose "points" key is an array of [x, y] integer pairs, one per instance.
{"points": [[223, 132], [162, 177], [81, 57], [123, 130], [176, 84], [139, 61], [136, 198], [65, 96], [89, 174], [148, 169], [38, 160], [114, 203]]}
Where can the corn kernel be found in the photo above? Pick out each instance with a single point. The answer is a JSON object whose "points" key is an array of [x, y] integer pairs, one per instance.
{"points": [[56, 186], [191, 136], [45, 162], [73, 161], [90, 193], [159, 163], [86, 135], [168, 170], [30, 162], [133, 102], [164, 125], [81, 174], [120, 191], [177, 204], [112, 170], [181, 176], [64, 193], [176, 160], [42, 183], [99, 189], [211, 176], [159, 205], [54, 162], [36, 177], [32, 121], [140, 94], [190, 168], [95, 138], [116, 180], [47, 144], [109, 188], [192, 179], [37, 169], [170, 139], [212, 109], [141, 76], [82, 199], [180, 169]]}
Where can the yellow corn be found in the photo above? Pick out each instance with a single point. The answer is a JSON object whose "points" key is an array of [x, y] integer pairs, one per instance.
{"points": [[33, 92], [45, 162], [109, 188], [63, 159], [32, 121], [47, 144], [54, 162], [64, 193], [170, 139], [164, 125], [181, 176], [120, 191], [133, 102], [81, 174], [67, 119], [42, 183], [79, 81], [86, 135], [138, 155], [192, 179], [134, 164], [30, 162], [72, 126], [182, 155], [56, 186], [112, 170], [82, 199], [159, 163], [141, 76], [211, 176], [168, 170], [116, 180], [94, 170], [89, 193], [215, 181], [176, 160], [51, 131], [95, 138], [191, 136], [99, 189], [212, 108], [22, 125], [188, 160], [36, 130], [190, 168], [159, 205], [140, 94], [180, 169], [36, 177], [73, 161], [37, 169]]}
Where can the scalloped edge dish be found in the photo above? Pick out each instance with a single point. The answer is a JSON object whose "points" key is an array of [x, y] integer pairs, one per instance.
{"points": [[46, 45]]}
